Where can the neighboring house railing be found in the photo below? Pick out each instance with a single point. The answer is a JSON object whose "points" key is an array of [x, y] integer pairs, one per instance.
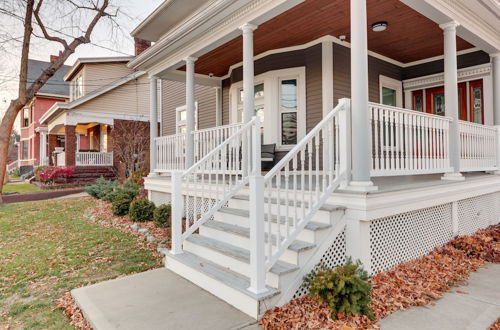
{"points": [[61, 159], [94, 159], [12, 166], [406, 142], [479, 147]]}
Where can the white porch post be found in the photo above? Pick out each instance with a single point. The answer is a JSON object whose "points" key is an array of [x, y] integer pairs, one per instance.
{"points": [[190, 111], [495, 59], [153, 123], [218, 106], [451, 96], [43, 148], [361, 153]]}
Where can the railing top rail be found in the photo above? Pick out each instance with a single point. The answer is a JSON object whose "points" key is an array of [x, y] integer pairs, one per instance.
{"points": [[411, 112], [468, 123], [170, 136], [220, 146], [215, 128], [285, 160]]}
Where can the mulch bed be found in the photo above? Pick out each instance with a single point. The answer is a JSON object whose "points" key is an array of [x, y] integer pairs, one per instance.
{"points": [[415, 283], [38, 196]]}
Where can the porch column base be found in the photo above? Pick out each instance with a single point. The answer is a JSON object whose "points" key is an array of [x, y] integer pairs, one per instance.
{"points": [[454, 176], [361, 186]]}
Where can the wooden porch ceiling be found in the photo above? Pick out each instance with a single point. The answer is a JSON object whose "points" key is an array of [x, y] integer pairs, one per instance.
{"points": [[409, 37]]}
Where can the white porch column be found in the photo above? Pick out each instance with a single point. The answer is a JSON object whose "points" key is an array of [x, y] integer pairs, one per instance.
{"points": [[495, 59], [190, 111], [248, 72], [451, 96], [43, 148], [153, 122], [218, 106], [361, 151]]}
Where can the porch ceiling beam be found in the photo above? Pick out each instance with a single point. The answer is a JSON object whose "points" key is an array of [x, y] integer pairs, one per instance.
{"points": [[199, 79]]}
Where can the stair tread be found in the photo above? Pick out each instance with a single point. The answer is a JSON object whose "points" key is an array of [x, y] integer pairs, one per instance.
{"points": [[280, 267], [324, 207], [296, 245], [221, 274], [311, 225]]}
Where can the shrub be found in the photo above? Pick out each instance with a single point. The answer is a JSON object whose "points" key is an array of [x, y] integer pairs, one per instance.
{"points": [[101, 188], [345, 288], [51, 174], [129, 188], [121, 205], [38, 171], [137, 177], [162, 216], [141, 210]]}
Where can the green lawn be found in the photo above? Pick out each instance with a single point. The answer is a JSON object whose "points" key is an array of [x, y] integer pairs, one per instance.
{"points": [[48, 248], [22, 188]]}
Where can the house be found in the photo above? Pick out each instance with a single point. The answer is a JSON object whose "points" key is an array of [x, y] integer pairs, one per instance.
{"points": [[105, 122], [379, 118], [32, 147]]}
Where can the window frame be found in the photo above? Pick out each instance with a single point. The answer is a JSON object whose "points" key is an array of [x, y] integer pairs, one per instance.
{"points": [[179, 123], [393, 84]]}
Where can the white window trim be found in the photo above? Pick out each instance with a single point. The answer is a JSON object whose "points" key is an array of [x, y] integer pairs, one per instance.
{"points": [[272, 125], [394, 84], [177, 117]]}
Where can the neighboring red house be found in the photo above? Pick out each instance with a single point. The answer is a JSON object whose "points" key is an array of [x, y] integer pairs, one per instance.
{"points": [[33, 143]]}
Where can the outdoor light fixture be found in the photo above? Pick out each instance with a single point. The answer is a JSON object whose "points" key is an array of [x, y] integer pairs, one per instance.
{"points": [[379, 26]]}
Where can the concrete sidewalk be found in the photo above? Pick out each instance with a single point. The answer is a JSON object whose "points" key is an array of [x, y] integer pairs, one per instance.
{"points": [[156, 299], [476, 308]]}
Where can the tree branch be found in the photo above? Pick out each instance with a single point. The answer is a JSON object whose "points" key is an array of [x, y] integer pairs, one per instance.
{"points": [[44, 30]]}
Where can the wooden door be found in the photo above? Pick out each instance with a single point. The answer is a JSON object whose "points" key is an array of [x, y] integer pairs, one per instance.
{"points": [[434, 101], [418, 100]]}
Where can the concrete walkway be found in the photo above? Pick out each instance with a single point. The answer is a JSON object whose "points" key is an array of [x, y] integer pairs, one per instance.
{"points": [[156, 299], [476, 308]]}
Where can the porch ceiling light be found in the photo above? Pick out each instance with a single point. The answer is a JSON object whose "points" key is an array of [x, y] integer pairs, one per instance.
{"points": [[379, 26]]}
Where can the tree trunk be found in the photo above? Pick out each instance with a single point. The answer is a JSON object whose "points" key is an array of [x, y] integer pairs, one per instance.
{"points": [[5, 134]]}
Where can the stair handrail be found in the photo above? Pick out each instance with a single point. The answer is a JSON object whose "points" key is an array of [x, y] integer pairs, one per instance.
{"points": [[333, 133], [230, 156]]}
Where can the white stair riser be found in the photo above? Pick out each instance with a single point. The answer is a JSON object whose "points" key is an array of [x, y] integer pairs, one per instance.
{"points": [[322, 216], [289, 256], [232, 296], [305, 235], [227, 261]]}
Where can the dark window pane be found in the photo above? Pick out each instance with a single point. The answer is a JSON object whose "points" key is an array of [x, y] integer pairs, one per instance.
{"points": [[289, 128]]}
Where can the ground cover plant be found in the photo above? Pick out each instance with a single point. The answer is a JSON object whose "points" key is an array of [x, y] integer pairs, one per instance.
{"points": [[50, 248], [414, 283], [21, 188]]}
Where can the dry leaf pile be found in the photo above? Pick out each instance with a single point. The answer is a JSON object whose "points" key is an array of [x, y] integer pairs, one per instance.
{"points": [[71, 310], [495, 326], [414, 283]]}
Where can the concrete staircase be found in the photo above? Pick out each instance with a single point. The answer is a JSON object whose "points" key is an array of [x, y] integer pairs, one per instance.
{"points": [[218, 257], [88, 174]]}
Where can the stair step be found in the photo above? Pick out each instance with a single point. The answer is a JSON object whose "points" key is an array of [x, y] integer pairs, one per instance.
{"points": [[274, 200], [222, 274], [296, 246], [311, 225], [235, 252]]}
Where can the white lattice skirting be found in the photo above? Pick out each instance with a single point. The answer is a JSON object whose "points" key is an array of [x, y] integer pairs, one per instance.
{"points": [[405, 236]]}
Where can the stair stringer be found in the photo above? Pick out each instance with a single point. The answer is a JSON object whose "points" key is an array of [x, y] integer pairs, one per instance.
{"points": [[327, 240]]}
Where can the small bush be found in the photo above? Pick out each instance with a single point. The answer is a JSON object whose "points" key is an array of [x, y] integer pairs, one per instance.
{"points": [[38, 171], [101, 188], [129, 188], [137, 177], [121, 205], [345, 288], [51, 174], [141, 210], [162, 216]]}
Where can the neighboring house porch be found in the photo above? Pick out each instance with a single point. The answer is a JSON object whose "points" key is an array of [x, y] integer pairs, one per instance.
{"points": [[384, 143]]}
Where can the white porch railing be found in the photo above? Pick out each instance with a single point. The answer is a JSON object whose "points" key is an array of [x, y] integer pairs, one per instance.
{"points": [[205, 140], [200, 191], [12, 166], [171, 153], [94, 159], [479, 145], [407, 142], [294, 191], [61, 159]]}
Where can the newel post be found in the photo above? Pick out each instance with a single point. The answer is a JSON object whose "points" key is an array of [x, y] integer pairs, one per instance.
{"points": [[345, 142], [177, 208], [256, 183]]}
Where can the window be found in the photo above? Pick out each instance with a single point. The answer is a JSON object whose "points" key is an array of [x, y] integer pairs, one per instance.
{"points": [[25, 149], [388, 96], [26, 119], [77, 87], [259, 109], [288, 111], [391, 91], [181, 119]]}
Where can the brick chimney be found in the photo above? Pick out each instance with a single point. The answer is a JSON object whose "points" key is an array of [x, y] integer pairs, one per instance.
{"points": [[141, 45], [54, 58]]}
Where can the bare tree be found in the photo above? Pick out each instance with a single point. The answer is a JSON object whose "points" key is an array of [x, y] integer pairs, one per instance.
{"points": [[81, 15], [131, 144]]}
